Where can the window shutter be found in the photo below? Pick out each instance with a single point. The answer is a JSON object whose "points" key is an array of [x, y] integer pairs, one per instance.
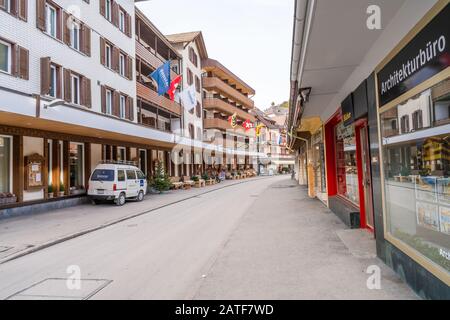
{"points": [[23, 63], [88, 93], [103, 98], [45, 76], [67, 86], [102, 7], [116, 103], [129, 66], [66, 29], [102, 51], [13, 7], [40, 14], [23, 9], [115, 14], [115, 59], [86, 40], [127, 108], [3, 4], [128, 25], [130, 109]]}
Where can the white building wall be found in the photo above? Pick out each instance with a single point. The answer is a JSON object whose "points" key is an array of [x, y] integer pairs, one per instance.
{"points": [[189, 118], [40, 45]]}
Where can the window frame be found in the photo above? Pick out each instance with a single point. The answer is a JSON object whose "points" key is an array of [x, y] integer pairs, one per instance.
{"points": [[108, 55], [49, 7], [75, 31], [122, 106], [75, 97], [11, 142], [9, 47], [109, 107]]}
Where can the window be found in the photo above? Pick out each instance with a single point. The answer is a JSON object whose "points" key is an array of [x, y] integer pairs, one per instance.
{"points": [[108, 55], [75, 36], [121, 176], [109, 101], [122, 108], [53, 81], [50, 162], [198, 110], [417, 176], [131, 175], [108, 10], [122, 20], [76, 160], [346, 166], [5, 57], [122, 64], [121, 154], [5, 164], [190, 77], [103, 175], [140, 175], [52, 20], [404, 123], [197, 84], [75, 89]]}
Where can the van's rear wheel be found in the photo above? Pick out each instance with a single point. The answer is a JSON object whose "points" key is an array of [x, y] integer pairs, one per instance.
{"points": [[140, 196], [120, 201]]}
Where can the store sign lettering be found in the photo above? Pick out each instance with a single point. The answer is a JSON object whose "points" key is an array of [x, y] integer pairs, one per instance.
{"points": [[347, 117], [425, 56]]}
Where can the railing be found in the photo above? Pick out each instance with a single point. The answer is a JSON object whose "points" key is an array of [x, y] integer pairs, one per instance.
{"points": [[161, 101], [216, 83], [150, 58], [220, 105]]}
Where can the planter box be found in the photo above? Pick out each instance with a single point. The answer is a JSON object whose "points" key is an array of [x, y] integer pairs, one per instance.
{"points": [[5, 201]]}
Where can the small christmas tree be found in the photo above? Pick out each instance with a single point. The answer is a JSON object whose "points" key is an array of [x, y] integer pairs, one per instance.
{"points": [[160, 180]]}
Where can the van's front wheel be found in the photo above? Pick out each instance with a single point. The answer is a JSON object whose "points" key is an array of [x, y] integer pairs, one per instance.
{"points": [[120, 201]]}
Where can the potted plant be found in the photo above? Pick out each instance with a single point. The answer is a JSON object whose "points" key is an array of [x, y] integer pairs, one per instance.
{"points": [[50, 191], [160, 182], [62, 190], [195, 178]]}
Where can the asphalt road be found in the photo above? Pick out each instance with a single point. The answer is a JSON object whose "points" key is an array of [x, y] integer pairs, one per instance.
{"points": [[161, 255]]}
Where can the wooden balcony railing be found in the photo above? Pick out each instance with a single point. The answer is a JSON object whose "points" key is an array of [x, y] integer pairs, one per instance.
{"points": [[161, 101], [150, 58], [220, 105], [218, 85]]}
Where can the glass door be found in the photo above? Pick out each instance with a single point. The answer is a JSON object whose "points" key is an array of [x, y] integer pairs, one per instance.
{"points": [[366, 176]]}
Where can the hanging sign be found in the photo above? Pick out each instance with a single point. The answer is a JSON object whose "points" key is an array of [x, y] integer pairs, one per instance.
{"points": [[425, 56]]}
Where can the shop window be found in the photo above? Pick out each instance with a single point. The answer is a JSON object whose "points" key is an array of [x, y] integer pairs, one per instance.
{"points": [[76, 160], [346, 166], [417, 177], [5, 164]]}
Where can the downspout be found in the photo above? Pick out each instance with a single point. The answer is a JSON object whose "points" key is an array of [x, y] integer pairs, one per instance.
{"points": [[304, 11]]}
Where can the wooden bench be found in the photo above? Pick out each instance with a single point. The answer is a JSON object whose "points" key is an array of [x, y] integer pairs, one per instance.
{"points": [[210, 182], [200, 183], [188, 183], [176, 183]]}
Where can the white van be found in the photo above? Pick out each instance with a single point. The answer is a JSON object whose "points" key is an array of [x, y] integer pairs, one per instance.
{"points": [[117, 182]]}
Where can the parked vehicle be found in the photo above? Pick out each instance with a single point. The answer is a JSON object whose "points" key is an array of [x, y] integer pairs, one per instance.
{"points": [[117, 182]]}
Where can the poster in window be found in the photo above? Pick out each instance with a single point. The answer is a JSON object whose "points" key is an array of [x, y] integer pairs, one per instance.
{"points": [[34, 166], [426, 189], [444, 219], [444, 191], [427, 215]]}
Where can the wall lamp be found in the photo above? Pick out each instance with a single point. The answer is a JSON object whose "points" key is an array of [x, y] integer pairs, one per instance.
{"points": [[55, 103], [305, 93]]}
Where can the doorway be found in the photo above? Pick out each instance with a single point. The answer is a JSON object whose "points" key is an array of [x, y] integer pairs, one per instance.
{"points": [[365, 176]]}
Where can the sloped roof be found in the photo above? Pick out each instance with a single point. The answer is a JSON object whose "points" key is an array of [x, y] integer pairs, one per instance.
{"points": [[185, 37]]}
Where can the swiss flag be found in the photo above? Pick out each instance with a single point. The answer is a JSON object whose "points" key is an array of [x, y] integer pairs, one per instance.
{"points": [[173, 86]]}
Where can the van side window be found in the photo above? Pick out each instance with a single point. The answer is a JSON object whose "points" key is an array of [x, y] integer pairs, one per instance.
{"points": [[120, 175], [131, 175], [140, 175]]}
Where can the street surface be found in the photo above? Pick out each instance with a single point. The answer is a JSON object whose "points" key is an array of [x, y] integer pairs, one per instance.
{"points": [[261, 239]]}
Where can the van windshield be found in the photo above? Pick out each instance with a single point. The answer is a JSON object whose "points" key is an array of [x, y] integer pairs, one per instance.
{"points": [[103, 175]]}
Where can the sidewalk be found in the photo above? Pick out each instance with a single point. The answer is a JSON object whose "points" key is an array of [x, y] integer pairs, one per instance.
{"points": [[289, 246], [26, 234]]}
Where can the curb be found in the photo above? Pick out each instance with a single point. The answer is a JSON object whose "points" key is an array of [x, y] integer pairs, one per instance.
{"points": [[114, 222]]}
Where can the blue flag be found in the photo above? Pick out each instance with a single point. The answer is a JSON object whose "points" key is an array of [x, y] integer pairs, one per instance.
{"points": [[162, 77]]}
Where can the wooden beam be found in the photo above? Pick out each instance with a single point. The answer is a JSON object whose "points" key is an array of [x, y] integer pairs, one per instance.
{"points": [[18, 167], [66, 167]]}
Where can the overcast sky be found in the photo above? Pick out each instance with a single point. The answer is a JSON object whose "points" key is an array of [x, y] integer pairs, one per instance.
{"points": [[252, 38]]}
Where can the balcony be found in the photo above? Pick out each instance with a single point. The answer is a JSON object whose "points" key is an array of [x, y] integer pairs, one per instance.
{"points": [[214, 83], [150, 58], [224, 125], [224, 107], [161, 101]]}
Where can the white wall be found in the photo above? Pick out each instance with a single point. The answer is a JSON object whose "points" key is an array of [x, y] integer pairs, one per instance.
{"points": [[40, 45]]}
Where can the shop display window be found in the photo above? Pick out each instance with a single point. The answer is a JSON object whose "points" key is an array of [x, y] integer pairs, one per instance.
{"points": [[76, 158], [346, 166], [416, 160], [5, 164]]}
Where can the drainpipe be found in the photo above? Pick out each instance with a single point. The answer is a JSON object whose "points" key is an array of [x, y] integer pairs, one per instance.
{"points": [[304, 11]]}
